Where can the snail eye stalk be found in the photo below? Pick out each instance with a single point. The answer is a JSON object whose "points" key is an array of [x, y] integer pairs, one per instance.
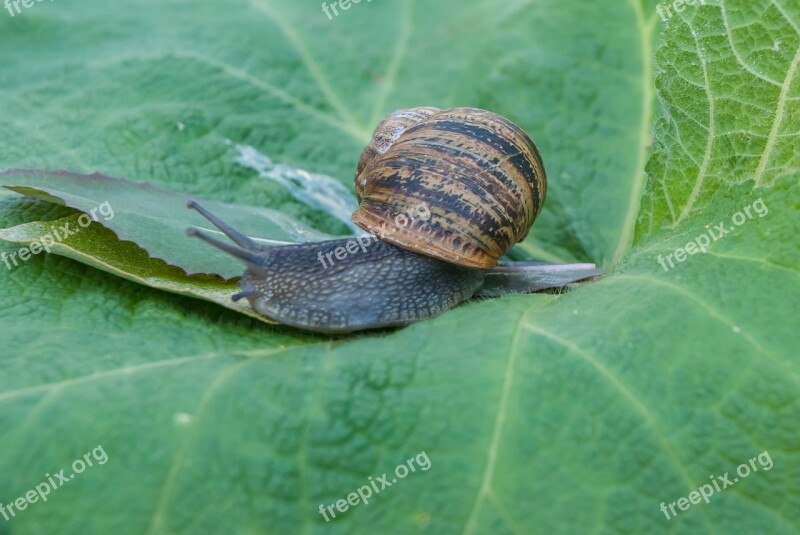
{"points": [[238, 238], [252, 259], [247, 292]]}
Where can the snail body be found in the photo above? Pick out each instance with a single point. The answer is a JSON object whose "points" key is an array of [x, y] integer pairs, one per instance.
{"points": [[379, 285], [481, 182], [384, 287]]}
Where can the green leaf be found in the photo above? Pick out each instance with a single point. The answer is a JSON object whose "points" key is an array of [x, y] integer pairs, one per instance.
{"points": [[156, 219], [98, 247], [565, 413]]}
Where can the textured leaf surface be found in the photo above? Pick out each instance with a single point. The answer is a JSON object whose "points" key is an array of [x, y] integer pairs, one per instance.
{"points": [[730, 82], [572, 413]]}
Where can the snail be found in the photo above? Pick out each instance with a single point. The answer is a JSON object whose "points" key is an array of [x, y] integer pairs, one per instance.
{"points": [[443, 194]]}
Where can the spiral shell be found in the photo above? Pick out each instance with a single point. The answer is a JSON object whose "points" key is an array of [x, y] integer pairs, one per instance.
{"points": [[478, 175]]}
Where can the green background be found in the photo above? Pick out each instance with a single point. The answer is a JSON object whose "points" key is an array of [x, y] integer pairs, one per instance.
{"points": [[574, 412]]}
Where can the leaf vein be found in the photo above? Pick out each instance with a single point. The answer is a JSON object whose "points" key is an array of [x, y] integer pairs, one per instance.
{"points": [[776, 124]]}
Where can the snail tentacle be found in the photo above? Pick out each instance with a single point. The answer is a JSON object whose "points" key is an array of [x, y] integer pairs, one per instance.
{"points": [[246, 292], [238, 238], [253, 260]]}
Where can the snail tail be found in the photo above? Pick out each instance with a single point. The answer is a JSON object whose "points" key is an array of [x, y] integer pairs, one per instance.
{"points": [[527, 277]]}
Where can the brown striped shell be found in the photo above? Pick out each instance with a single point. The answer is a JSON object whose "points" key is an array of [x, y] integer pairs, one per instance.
{"points": [[478, 175]]}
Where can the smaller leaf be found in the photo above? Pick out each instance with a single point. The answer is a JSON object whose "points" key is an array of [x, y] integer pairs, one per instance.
{"points": [[156, 219], [100, 248]]}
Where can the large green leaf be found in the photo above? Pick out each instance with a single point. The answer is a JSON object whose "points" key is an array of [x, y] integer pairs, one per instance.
{"points": [[564, 413]]}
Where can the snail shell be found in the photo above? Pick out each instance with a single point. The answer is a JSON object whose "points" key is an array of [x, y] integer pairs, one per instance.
{"points": [[479, 174]]}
